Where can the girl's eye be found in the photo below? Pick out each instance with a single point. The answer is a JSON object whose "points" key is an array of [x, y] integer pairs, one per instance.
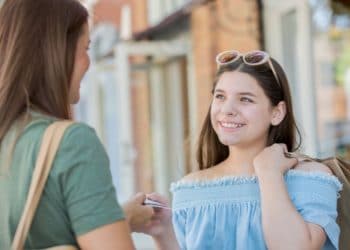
{"points": [[245, 99], [219, 96]]}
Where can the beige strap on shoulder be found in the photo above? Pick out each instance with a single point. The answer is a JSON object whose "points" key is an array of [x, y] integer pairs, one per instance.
{"points": [[49, 146]]}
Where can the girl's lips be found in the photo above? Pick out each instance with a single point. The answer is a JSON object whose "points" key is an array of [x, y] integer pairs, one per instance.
{"points": [[230, 127]]}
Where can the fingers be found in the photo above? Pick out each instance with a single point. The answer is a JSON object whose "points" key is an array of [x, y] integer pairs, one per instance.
{"points": [[292, 161], [140, 197], [158, 197], [284, 147], [148, 211], [281, 146], [138, 206]]}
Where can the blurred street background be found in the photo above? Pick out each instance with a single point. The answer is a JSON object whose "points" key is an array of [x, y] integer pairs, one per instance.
{"points": [[153, 65]]}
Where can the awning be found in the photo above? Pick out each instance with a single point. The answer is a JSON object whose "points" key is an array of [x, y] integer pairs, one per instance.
{"points": [[170, 20]]}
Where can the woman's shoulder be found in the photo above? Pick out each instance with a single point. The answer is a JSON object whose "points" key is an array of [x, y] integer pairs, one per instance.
{"points": [[36, 121], [76, 132], [80, 137], [81, 130], [80, 149]]}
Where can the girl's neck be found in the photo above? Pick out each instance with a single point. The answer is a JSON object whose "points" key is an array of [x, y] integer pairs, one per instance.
{"points": [[241, 158]]}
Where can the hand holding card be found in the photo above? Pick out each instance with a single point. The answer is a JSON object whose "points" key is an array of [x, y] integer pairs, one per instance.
{"points": [[156, 204]]}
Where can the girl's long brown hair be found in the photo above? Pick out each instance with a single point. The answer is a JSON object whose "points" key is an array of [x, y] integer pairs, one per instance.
{"points": [[38, 40], [211, 151]]}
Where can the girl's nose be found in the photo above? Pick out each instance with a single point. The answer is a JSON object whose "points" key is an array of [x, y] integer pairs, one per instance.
{"points": [[229, 109]]}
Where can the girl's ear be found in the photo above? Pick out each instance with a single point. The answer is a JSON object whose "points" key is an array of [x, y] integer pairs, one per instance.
{"points": [[278, 113]]}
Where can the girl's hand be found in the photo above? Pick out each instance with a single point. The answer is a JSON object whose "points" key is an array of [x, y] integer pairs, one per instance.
{"points": [[273, 160], [160, 223]]}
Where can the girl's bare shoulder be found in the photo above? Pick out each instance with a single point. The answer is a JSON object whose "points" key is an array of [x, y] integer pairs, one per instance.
{"points": [[312, 166]]}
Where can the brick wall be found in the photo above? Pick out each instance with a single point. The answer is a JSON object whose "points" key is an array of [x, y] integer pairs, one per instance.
{"points": [[141, 107], [139, 15], [142, 131], [110, 11]]}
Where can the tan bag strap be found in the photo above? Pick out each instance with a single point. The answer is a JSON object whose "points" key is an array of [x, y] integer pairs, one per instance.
{"points": [[49, 146]]}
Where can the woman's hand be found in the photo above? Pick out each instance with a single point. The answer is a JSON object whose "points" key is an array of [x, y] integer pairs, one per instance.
{"points": [[153, 221], [272, 160], [161, 220], [160, 227], [137, 214]]}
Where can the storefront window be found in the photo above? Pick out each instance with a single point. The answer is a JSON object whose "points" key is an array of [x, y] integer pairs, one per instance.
{"points": [[331, 43]]}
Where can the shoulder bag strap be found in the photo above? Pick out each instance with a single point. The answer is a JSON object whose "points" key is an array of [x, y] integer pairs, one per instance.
{"points": [[49, 146]]}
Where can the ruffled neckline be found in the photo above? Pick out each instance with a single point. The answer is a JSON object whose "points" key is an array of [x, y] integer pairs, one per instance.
{"points": [[249, 180]]}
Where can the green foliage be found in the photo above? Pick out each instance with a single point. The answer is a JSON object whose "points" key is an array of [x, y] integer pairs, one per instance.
{"points": [[342, 64]]}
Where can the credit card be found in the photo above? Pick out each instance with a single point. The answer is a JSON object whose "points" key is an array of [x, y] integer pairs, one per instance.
{"points": [[152, 203]]}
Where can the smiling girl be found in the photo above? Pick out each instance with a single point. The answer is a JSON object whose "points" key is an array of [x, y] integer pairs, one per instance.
{"points": [[248, 194]]}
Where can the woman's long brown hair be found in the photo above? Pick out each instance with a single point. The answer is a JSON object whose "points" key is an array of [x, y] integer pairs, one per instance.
{"points": [[211, 151], [38, 40]]}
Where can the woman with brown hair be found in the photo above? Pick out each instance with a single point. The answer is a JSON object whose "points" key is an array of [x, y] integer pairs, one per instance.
{"points": [[249, 193], [43, 51]]}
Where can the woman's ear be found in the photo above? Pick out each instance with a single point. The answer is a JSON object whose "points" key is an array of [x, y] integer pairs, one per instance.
{"points": [[278, 113]]}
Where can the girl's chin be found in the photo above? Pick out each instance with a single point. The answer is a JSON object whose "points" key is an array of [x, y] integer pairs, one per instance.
{"points": [[228, 142]]}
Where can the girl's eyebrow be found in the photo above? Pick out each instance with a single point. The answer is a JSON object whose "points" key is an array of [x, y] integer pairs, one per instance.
{"points": [[247, 93], [219, 90], [240, 93]]}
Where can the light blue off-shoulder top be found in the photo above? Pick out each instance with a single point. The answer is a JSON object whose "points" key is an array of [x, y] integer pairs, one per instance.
{"points": [[226, 213]]}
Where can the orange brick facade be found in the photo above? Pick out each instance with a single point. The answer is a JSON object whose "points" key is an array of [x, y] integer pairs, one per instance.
{"points": [[110, 11]]}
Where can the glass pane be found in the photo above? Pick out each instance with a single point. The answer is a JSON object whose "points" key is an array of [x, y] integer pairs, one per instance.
{"points": [[331, 43]]}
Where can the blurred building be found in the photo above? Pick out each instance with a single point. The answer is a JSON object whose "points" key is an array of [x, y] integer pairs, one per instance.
{"points": [[152, 71], [149, 87], [311, 39], [166, 55], [157, 59]]}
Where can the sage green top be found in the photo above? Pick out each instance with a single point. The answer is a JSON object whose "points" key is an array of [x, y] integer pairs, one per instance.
{"points": [[79, 195]]}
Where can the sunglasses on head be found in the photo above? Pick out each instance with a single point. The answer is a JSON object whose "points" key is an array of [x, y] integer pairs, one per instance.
{"points": [[252, 58]]}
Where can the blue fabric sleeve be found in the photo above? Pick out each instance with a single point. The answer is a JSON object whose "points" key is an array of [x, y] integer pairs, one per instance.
{"points": [[316, 200]]}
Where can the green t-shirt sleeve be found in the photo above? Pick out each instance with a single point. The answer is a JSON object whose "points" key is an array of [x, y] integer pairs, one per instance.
{"points": [[84, 177]]}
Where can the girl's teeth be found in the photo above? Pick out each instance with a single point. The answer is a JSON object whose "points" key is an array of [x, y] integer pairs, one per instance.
{"points": [[231, 125]]}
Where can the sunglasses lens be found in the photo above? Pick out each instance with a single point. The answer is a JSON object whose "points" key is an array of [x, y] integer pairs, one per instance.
{"points": [[227, 57], [255, 57]]}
